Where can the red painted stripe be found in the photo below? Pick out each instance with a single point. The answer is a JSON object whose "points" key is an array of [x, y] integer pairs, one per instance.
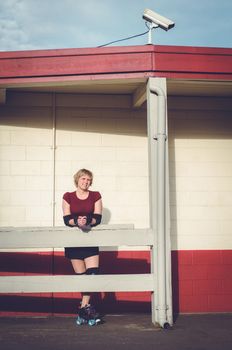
{"points": [[202, 282]]}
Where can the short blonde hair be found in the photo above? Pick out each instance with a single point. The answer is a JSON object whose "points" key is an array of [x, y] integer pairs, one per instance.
{"points": [[82, 172]]}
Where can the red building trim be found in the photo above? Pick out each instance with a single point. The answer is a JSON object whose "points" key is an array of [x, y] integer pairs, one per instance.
{"points": [[116, 62]]}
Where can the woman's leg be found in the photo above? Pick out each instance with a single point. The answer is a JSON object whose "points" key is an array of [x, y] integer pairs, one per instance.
{"points": [[90, 262], [80, 268]]}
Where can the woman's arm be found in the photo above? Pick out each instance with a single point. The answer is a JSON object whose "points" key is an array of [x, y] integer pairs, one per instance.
{"points": [[98, 211], [67, 212], [98, 207]]}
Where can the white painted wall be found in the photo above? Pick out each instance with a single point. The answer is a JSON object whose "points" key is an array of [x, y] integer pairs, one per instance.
{"points": [[200, 142], [101, 133], [25, 160], [104, 134]]}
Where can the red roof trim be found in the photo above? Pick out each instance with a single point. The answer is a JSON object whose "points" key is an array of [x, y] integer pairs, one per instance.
{"points": [[116, 49], [148, 60], [76, 52]]}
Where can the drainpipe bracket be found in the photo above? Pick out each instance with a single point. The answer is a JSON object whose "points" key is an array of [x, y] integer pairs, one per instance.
{"points": [[162, 308], [159, 136]]}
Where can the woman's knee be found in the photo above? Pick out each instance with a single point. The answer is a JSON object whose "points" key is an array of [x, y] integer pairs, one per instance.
{"points": [[92, 271]]}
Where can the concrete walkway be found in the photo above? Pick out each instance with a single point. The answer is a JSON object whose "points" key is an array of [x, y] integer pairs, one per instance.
{"points": [[198, 332]]}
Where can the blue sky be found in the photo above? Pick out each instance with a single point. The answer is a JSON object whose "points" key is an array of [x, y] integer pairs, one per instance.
{"points": [[55, 24]]}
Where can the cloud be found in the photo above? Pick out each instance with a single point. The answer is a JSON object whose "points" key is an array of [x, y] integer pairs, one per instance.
{"points": [[29, 24], [12, 32], [33, 24]]}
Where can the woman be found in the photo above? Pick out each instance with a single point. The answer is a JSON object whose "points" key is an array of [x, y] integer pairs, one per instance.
{"points": [[83, 208]]}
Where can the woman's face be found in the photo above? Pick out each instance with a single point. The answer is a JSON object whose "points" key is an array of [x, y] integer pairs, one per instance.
{"points": [[84, 182]]}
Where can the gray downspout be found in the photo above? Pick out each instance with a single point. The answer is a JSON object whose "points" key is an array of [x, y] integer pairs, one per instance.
{"points": [[160, 209], [53, 148]]}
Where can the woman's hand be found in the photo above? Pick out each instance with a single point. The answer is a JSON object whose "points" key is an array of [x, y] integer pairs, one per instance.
{"points": [[81, 221]]}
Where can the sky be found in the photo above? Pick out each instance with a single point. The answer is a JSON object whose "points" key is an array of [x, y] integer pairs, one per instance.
{"points": [[58, 24]]}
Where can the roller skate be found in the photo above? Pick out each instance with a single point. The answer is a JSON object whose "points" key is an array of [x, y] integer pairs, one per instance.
{"points": [[88, 315]]}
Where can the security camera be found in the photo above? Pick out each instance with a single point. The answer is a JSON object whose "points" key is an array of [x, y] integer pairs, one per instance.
{"points": [[157, 19]]}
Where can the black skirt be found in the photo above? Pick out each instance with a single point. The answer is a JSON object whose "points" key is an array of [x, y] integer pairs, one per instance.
{"points": [[81, 252]]}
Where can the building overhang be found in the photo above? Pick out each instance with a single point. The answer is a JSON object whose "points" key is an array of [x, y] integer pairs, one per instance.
{"points": [[119, 70]]}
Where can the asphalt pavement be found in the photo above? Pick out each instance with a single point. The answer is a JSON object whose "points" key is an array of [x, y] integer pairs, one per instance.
{"points": [[130, 331]]}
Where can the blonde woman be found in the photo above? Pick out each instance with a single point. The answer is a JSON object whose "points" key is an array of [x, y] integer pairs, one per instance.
{"points": [[83, 208]]}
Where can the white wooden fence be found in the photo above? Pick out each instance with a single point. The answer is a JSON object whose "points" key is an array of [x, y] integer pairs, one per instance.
{"points": [[58, 237]]}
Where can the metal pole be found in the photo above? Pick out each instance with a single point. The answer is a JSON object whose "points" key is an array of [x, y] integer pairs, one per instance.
{"points": [[150, 33], [161, 219], [150, 26], [53, 147], [157, 132]]}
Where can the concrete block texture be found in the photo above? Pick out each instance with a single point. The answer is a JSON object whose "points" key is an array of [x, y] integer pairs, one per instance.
{"points": [[43, 145], [100, 133], [200, 144]]}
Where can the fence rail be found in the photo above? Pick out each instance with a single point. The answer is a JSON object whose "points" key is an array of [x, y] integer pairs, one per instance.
{"points": [[53, 284], [56, 237]]}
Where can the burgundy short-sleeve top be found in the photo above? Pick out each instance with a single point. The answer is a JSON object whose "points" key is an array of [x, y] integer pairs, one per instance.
{"points": [[81, 206]]}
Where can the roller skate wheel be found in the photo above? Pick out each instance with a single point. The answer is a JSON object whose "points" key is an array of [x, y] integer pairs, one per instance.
{"points": [[79, 321], [91, 322]]}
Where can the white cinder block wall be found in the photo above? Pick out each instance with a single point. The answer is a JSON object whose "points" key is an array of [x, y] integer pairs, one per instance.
{"points": [[25, 160], [200, 148], [102, 133]]}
